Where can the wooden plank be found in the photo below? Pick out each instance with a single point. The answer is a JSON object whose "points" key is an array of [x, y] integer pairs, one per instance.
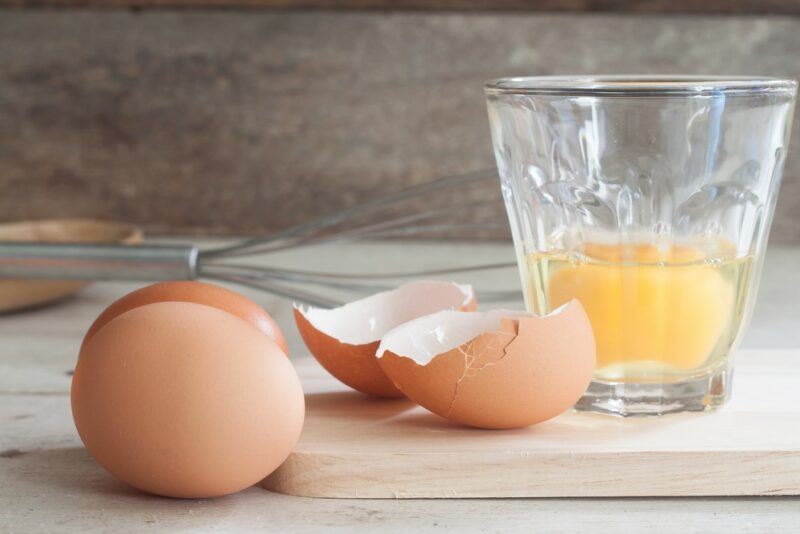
{"points": [[51, 484], [246, 122], [354, 446], [789, 7]]}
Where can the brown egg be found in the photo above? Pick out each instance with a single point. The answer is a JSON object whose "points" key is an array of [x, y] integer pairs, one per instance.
{"points": [[492, 370], [186, 400], [344, 339], [200, 293]]}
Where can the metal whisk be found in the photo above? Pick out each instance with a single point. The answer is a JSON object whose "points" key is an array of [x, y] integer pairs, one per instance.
{"points": [[374, 219]]}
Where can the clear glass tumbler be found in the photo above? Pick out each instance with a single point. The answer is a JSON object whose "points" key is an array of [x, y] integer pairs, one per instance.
{"points": [[648, 199]]}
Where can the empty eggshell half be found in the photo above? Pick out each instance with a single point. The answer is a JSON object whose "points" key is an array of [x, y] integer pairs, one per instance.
{"points": [[344, 339], [497, 369]]}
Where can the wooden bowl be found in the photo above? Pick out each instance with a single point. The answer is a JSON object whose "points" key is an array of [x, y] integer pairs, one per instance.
{"points": [[18, 293]]}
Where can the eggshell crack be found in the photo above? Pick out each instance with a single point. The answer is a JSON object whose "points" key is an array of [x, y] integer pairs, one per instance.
{"points": [[483, 351], [344, 339], [493, 370]]}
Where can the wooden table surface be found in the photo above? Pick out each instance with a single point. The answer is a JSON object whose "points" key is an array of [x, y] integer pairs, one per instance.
{"points": [[48, 483]]}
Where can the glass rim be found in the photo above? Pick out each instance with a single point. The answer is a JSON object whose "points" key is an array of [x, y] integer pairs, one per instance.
{"points": [[639, 85]]}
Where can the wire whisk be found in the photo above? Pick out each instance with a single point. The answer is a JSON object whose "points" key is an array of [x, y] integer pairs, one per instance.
{"points": [[458, 205]]}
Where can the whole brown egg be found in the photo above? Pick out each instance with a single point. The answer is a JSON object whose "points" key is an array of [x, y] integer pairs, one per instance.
{"points": [[186, 400], [200, 293]]}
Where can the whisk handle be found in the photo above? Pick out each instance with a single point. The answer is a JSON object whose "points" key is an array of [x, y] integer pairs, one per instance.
{"points": [[74, 261]]}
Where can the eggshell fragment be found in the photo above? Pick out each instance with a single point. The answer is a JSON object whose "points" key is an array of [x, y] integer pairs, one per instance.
{"points": [[492, 370], [186, 400], [344, 339], [197, 292]]}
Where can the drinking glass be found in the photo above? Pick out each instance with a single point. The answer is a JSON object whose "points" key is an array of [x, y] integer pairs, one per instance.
{"points": [[649, 200]]}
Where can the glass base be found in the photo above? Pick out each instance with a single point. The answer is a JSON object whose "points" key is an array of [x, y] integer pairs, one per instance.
{"points": [[636, 399]]}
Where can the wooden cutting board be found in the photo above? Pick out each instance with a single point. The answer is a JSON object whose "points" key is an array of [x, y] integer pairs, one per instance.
{"points": [[357, 447]]}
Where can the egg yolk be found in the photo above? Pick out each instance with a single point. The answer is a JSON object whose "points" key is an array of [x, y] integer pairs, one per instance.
{"points": [[647, 304]]}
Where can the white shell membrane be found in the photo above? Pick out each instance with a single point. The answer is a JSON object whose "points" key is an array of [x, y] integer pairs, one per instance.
{"points": [[367, 320], [424, 338]]}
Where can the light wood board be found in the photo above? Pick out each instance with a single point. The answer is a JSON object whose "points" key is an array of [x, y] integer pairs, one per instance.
{"points": [[357, 447]]}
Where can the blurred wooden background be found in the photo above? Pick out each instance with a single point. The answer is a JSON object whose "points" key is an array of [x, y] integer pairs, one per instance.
{"points": [[244, 120], [770, 7]]}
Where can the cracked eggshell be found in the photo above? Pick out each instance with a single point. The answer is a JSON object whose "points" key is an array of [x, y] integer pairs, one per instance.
{"points": [[497, 369], [344, 339]]}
